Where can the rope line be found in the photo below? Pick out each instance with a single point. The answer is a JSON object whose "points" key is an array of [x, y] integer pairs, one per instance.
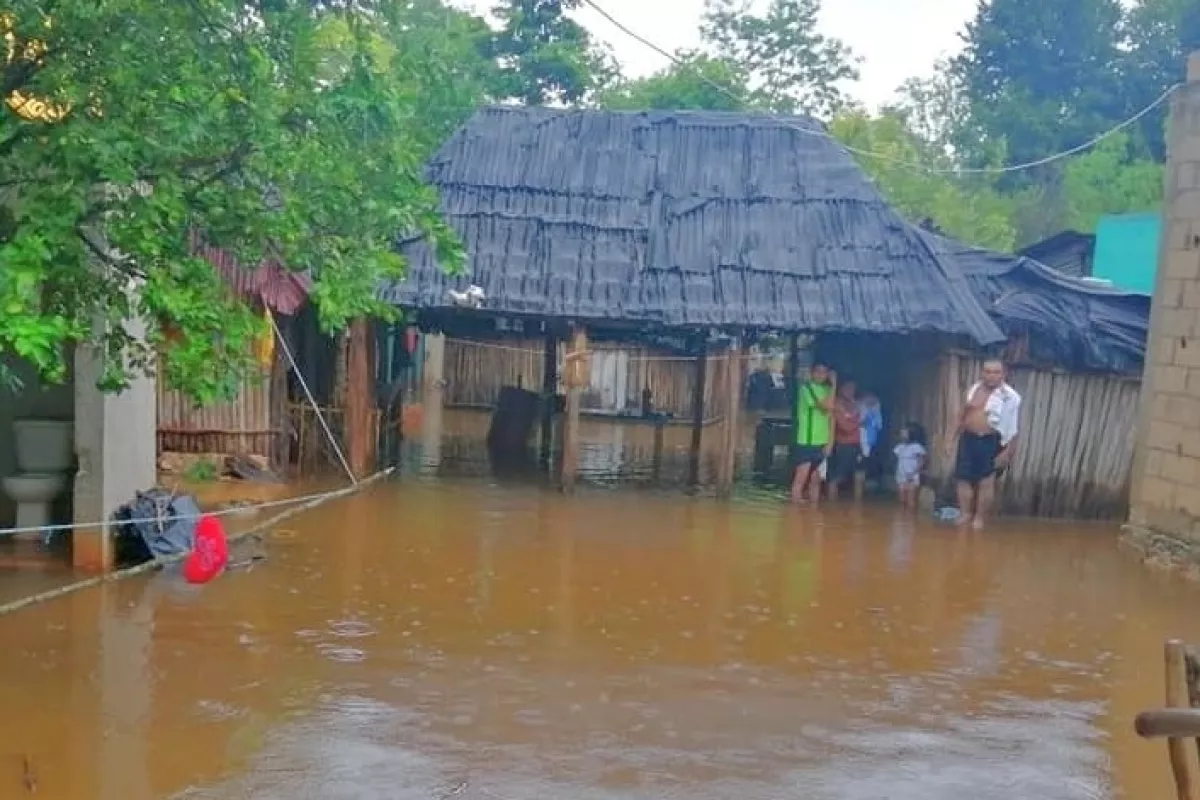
{"points": [[289, 501], [912, 165]]}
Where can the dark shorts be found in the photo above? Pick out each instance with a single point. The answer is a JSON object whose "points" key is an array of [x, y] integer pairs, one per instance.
{"points": [[976, 457], [844, 461], [810, 454]]}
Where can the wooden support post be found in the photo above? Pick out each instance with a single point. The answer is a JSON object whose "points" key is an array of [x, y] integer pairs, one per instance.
{"points": [[660, 427], [1181, 751], [733, 409], [549, 397], [576, 369], [280, 451], [698, 415], [360, 434]]}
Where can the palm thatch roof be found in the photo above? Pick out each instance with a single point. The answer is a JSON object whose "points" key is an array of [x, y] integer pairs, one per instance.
{"points": [[680, 220]]}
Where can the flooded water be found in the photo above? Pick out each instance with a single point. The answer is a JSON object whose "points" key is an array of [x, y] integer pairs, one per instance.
{"points": [[459, 639]]}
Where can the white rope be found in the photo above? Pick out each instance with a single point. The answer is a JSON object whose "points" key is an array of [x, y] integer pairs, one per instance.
{"points": [[312, 400], [1095, 140], [241, 509]]}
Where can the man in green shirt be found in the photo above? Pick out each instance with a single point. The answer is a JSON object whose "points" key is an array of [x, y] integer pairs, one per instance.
{"points": [[814, 429]]}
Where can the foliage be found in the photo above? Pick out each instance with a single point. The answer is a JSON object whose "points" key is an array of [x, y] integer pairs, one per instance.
{"points": [[696, 81], [543, 56], [202, 470], [1159, 34], [1039, 77], [793, 68], [970, 210], [276, 128], [1110, 179]]}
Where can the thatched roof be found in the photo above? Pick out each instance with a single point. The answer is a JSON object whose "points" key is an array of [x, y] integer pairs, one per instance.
{"points": [[680, 219], [1071, 322]]}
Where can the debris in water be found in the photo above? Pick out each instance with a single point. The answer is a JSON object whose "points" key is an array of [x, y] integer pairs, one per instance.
{"points": [[456, 791], [29, 776]]}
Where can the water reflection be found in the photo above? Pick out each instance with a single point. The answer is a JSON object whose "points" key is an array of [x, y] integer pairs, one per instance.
{"points": [[430, 638]]}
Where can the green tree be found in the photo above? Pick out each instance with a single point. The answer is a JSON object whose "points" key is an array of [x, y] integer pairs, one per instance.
{"points": [[1039, 77], [970, 209], [545, 57], [696, 81], [273, 127], [792, 67], [1160, 35], [1110, 179]]}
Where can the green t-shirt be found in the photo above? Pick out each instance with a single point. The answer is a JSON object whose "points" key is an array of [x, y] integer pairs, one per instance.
{"points": [[812, 421]]}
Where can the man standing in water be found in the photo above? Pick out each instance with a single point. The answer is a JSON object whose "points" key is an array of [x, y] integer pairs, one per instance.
{"points": [[814, 430], [987, 436]]}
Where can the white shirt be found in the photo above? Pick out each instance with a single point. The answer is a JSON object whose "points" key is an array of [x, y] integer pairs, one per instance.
{"points": [[1003, 410]]}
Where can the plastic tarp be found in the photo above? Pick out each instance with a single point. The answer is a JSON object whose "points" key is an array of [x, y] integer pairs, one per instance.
{"points": [[155, 524]]}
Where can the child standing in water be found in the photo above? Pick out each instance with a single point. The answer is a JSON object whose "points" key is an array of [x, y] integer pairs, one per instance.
{"points": [[910, 463]]}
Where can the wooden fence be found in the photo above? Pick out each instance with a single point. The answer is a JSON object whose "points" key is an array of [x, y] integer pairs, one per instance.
{"points": [[240, 427], [1078, 430], [474, 372]]}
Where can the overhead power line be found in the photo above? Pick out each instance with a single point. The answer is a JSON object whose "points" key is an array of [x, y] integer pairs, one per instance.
{"points": [[1089, 144]]}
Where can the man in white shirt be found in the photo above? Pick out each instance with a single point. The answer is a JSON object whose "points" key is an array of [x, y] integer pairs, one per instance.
{"points": [[987, 436]]}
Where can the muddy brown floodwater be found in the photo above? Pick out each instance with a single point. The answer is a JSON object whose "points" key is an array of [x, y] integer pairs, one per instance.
{"points": [[458, 639]]}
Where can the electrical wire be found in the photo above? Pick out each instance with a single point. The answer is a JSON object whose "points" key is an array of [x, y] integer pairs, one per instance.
{"points": [[1162, 98]]}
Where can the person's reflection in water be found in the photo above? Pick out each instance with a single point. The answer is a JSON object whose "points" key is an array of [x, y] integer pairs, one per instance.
{"points": [[900, 543]]}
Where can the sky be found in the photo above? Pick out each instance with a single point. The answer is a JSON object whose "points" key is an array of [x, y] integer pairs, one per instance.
{"points": [[897, 39]]}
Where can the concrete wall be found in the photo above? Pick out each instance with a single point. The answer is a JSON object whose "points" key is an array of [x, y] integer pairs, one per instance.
{"points": [[35, 399], [1165, 499], [115, 445]]}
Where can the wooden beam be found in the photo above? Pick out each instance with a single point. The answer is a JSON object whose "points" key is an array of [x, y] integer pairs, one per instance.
{"points": [[733, 409], [576, 369], [360, 435], [1168, 723], [698, 415]]}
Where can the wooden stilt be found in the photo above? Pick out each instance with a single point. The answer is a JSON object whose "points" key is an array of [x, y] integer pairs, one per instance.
{"points": [[733, 409], [576, 368], [698, 415], [549, 397], [360, 385]]}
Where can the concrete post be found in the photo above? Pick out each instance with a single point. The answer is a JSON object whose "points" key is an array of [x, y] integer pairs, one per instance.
{"points": [[115, 443], [1165, 498]]}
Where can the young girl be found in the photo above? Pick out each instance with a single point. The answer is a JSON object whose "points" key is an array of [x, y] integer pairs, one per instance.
{"points": [[910, 463]]}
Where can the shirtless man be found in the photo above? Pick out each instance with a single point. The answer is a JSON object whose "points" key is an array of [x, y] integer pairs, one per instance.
{"points": [[987, 436]]}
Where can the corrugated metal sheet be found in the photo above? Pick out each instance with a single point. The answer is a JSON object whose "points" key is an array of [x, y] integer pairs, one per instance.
{"points": [[242, 427], [271, 283], [681, 219], [1069, 322]]}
